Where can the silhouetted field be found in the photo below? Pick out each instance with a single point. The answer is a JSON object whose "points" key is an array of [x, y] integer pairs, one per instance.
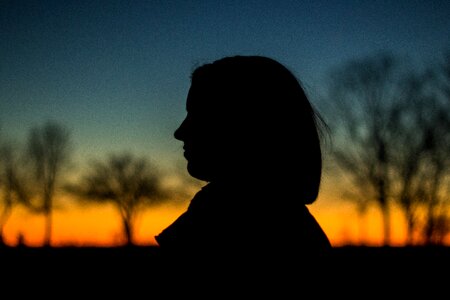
{"points": [[347, 270], [147, 256]]}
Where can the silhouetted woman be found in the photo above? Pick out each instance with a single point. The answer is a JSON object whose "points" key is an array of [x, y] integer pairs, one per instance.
{"points": [[252, 135]]}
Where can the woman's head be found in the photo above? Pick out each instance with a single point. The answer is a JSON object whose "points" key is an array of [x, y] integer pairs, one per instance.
{"points": [[249, 118]]}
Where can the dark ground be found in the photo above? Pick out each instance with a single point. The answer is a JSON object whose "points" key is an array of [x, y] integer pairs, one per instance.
{"points": [[148, 256], [22, 255], [402, 269]]}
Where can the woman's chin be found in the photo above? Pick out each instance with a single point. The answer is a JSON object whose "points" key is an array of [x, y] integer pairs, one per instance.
{"points": [[198, 172]]}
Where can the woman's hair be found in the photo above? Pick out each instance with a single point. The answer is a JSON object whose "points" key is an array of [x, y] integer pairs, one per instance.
{"points": [[263, 106]]}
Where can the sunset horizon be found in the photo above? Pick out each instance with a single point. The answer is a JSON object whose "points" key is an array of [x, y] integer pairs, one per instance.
{"points": [[95, 225], [104, 85]]}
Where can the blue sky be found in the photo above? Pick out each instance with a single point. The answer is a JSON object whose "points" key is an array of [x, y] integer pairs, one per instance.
{"points": [[117, 72]]}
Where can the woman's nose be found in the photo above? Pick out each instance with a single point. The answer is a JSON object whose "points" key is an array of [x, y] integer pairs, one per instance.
{"points": [[180, 131]]}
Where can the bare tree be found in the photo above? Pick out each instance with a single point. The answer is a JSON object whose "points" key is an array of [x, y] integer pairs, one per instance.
{"points": [[124, 180], [421, 161], [417, 164], [362, 99], [391, 130], [48, 152], [10, 184], [437, 224]]}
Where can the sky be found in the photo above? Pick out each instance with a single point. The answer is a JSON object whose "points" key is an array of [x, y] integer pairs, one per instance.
{"points": [[116, 73]]}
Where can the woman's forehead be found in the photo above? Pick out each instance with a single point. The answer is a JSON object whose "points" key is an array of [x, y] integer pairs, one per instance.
{"points": [[200, 95]]}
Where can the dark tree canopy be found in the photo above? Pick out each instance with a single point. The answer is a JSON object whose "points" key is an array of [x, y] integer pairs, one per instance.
{"points": [[127, 181]]}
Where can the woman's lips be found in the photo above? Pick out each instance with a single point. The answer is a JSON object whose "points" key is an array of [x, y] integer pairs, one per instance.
{"points": [[186, 153]]}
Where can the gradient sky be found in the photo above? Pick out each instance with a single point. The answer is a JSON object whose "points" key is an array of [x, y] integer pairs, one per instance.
{"points": [[117, 72]]}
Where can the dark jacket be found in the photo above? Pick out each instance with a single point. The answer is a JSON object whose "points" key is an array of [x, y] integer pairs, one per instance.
{"points": [[229, 224]]}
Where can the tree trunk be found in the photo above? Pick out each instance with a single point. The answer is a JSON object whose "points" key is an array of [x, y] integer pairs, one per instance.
{"points": [[409, 228], [48, 228], [48, 220], [386, 225], [4, 217], [128, 230]]}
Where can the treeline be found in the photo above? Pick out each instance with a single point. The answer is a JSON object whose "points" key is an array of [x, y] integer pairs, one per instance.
{"points": [[36, 175], [390, 129]]}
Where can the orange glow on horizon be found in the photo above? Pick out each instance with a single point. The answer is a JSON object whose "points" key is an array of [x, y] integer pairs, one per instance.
{"points": [[344, 226], [95, 225], [90, 225]]}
